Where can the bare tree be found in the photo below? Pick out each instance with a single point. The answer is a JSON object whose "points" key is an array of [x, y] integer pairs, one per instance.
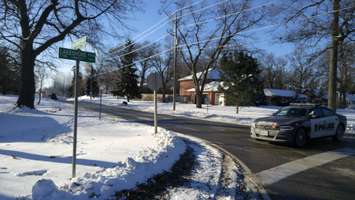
{"points": [[33, 26], [346, 71], [145, 53], [204, 33], [41, 73], [320, 25], [302, 75], [274, 71], [162, 65], [108, 70]]}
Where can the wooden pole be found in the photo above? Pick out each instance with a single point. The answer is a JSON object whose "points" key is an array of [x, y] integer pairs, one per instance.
{"points": [[332, 82], [175, 61], [155, 112]]}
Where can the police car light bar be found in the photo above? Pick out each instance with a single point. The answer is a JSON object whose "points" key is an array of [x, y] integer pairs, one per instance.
{"points": [[304, 104]]}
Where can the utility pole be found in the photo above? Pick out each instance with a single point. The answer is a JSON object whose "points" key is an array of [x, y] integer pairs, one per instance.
{"points": [[175, 60], [332, 83]]}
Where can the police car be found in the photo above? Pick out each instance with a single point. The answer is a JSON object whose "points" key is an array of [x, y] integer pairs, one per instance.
{"points": [[296, 124]]}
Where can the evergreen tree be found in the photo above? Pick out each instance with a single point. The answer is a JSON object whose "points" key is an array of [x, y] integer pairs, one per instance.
{"points": [[9, 73], [81, 86], [91, 83], [127, 84], [240, 75]]}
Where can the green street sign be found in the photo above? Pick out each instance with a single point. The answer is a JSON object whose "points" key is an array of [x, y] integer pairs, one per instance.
{"points": [[72, 54]]}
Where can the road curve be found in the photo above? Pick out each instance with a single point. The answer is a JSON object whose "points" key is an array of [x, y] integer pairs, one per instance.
{"points": [[330, 180]]}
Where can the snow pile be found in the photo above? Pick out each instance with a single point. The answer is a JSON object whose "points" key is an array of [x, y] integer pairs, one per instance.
{"points": [[126, 175], [111, 153]]}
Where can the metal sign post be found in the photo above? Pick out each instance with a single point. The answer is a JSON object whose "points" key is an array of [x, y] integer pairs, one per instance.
{"points": [[76, 91], [100, 104], [77, 55]]}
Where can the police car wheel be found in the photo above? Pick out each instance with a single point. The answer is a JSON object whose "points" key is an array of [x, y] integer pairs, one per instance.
{"points": [[339, 133], [300, 138]]}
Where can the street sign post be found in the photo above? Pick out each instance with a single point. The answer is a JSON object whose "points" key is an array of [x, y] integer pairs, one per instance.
{"points": [[76, 91], [100, 108], [77, 55]]}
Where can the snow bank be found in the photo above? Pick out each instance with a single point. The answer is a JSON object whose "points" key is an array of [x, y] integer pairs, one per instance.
{"points": [[126, 175], [112, 154]]}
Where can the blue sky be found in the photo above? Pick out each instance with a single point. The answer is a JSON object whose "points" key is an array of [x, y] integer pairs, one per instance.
{"points": [[142, 20], [148, 16]]}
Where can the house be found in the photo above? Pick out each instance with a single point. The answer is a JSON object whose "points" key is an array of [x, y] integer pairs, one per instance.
{"points": [[211, 95]]}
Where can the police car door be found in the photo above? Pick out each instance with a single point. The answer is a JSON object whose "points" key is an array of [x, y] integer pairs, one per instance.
{"points": [[318, 122], [331, 120]]}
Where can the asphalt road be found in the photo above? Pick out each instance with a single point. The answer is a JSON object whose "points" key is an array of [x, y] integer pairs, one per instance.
{"points": [[331, 180]]}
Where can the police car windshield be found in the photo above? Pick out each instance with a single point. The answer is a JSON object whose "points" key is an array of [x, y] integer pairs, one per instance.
{"points": [[292, 112]]}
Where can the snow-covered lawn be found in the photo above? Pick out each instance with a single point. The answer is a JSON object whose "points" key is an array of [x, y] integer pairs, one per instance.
{"points": [[213, 113], [112, 154]]}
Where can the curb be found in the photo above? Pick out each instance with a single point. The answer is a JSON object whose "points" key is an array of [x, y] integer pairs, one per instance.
{"points": [[252, 182]]}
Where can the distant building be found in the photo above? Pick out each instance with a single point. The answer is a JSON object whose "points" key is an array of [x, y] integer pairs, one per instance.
{"points": [[350, 100], [211, 95], [279, 96]]}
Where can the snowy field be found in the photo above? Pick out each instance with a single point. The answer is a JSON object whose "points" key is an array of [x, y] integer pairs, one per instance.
{"points": [[213, 113], [113, 154]]}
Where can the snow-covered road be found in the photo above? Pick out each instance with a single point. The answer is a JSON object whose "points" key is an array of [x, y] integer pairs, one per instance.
{"points": [[208, 112]]}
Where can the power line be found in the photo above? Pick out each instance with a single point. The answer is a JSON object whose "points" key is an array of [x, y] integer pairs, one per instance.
{"points": [[165, 20], [183, 45], [231, 14], [158, 25], [193, 24], [219, 17], [211, 39]]}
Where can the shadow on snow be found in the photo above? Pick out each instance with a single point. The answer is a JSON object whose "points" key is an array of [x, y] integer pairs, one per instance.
{"points": [[19, 128], [46, 158]]}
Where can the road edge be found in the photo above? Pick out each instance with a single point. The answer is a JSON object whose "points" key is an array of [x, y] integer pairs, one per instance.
{"points": [[252, 182], [347, 134]]}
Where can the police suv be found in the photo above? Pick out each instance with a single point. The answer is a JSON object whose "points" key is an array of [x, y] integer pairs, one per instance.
{"points": [[296, 124]]}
